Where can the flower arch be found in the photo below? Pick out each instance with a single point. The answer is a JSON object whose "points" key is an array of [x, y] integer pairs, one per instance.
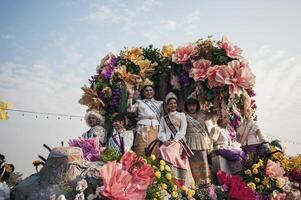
{"points": [[213, 71]]}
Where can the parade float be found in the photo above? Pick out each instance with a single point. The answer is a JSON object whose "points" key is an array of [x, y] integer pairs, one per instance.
{"points": [[219, 77]]}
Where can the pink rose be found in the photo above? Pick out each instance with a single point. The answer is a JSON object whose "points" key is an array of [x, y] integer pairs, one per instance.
{"points": [[183, 54], [200, 68], [232, 51], [274, 170]]}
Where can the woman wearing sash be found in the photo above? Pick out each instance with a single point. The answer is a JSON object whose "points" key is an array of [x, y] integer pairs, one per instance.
{"points": [[148, 111], [198, 140], [174, 149], [121, 140]]}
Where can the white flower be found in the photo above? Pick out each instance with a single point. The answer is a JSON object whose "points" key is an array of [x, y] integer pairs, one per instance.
{"points": [[4, 191], [92, 196], [81, 185], [61, 197], [80, 196]]}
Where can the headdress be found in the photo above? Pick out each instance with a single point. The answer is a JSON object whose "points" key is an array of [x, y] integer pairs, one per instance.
{"points": [[146, 82], [170, 95]]}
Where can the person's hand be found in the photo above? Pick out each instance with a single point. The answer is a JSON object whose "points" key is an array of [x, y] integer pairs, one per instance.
{"points": [[130, 89]]}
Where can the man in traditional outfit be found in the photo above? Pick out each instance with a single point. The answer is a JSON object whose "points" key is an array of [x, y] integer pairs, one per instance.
{"points": [[198, 140], [174, 149], [148, 112]]}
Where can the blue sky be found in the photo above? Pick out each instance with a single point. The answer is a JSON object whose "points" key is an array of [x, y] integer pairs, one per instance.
{"points": [[49, 49]]}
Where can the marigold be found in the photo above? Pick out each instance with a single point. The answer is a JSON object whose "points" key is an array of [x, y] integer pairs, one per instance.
{"points": [[174, 194], [252, 185]]}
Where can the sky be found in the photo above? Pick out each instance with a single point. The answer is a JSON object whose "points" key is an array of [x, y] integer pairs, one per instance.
{"points": [[49, 49]]}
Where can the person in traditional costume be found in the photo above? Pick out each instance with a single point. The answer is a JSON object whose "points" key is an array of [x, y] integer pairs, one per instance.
{"points": [[94, 119], [220, 137], [174, 149], [198, 140], [249, 133], [121, 140], [148, 112]]}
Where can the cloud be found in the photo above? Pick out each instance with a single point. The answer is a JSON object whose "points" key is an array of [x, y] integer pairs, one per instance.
{"points": [[169, 24], [278, 92], [8, 36]]}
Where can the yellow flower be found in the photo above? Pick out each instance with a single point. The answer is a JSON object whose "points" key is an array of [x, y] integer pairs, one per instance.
{"points": [[265, 181], [134, 55], [175, 187], [153, 157], [248, 172], [255, 166], [174, 194], [260, 162], [168, 176], [257, 180], [167, 50], [255, 171], [162, 168], [107, 91], [154, 198], [280, 182], [162, 162], [158, 174], [190, 193], [145, 67], [184, 188], [164, 186], [260, 187], [252, 185], [167, 168]]}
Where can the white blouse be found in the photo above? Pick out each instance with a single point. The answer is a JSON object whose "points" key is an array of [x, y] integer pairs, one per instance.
{"points": [[148, 111], [128, 139], [178, 119], [249, 133]]}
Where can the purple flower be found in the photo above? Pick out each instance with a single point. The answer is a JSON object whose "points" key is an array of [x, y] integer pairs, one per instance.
{"points": [[101, 95], [184, 78], [116, 95], [90, 147], [236, 121], [251, 92]]}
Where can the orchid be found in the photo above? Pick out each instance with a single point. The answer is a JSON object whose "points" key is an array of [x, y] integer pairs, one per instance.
{"points": [[200, 68], [232, 51]]}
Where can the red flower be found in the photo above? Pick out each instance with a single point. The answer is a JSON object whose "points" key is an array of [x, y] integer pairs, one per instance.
{"points": [[222, 177], [239, 190]]}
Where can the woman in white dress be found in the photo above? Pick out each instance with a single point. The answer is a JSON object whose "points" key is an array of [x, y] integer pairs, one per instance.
{"points": [[174, 149], [148, 111]]}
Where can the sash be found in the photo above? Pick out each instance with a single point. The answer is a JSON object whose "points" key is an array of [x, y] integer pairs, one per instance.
{"points": [[186, 150], [120, 145], [153, 108], [196, 124]]}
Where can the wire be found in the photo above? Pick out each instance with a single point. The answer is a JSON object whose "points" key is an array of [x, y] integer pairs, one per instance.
{"points": [[44, 113]]}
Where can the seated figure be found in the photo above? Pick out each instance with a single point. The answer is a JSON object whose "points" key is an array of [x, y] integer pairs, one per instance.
{"points": [[95, 121]]}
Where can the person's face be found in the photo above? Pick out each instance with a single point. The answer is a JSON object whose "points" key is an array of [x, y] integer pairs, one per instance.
{"points": [[148, 92], [192, 108], [118, 124], [92, 120], [172, 105]]}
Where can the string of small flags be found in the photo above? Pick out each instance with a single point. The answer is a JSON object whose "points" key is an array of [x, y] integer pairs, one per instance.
{"points": [[61, 116], [37, 114]]}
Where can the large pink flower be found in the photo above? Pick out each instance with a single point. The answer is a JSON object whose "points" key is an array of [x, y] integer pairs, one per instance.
{"points": [[200, 68], [183, 54], [211, 74], [236, 75], [232, 51], [138, 167], [119, 184], [274, 170]]}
